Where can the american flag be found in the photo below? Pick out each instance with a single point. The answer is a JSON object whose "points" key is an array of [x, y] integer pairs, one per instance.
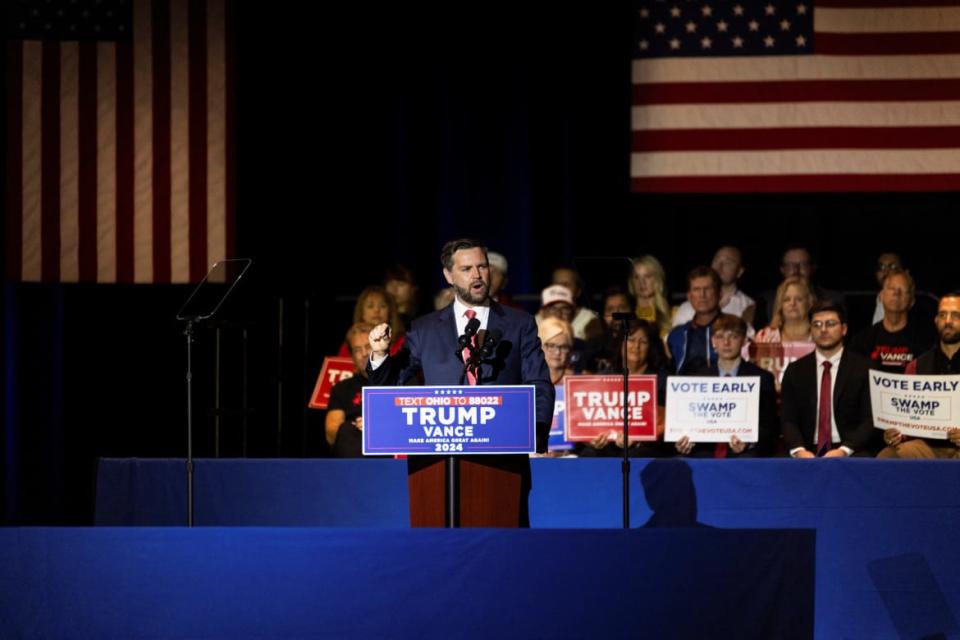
{"points": [[796, 96], [119, 140]]}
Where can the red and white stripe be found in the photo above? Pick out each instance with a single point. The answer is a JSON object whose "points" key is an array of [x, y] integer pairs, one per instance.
{"points": [[119, 155], [877, 108]]}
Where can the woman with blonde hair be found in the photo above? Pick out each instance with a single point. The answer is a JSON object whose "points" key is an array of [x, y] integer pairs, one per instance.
{"points": [[556, 340], [376, 306], [789, 321], [648, 284], [788, 336]]}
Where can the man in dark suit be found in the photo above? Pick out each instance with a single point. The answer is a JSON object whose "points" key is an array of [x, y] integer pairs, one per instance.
{"points": [[825, 396], [432, 347], [729, 334]]}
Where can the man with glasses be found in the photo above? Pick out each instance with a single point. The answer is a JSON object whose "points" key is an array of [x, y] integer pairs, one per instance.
{"points": [[825, 396], [943, 359]]}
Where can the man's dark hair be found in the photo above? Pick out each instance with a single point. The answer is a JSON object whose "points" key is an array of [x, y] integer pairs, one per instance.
{"points": [[617, 290], [446, 254], [656, 354], [400, 273], [799, 247], [951, 294], [704, 272], [829, 305]]}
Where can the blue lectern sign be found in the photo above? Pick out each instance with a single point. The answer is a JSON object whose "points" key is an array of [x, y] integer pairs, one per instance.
{"points": [[445, 420]]}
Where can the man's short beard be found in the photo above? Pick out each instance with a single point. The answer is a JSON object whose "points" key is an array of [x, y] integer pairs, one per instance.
{"points": [[950, 339], [831, 347], [466, 295]]}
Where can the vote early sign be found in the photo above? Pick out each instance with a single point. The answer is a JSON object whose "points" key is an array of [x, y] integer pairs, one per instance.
{"points": [[925, 406], [711, 409], [445, 420]]}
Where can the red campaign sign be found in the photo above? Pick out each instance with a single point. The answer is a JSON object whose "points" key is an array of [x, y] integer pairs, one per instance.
{"points": [[594, 405], [775, 356], [333, 371]]}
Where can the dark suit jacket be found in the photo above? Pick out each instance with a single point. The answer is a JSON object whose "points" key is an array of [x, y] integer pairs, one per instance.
{"points": [[851, 402], [768, 425], [431, 349]]}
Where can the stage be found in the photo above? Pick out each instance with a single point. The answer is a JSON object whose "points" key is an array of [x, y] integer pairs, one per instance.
{"points": [[319, 548]]}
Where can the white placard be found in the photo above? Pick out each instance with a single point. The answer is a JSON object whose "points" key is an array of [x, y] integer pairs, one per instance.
{"points": [[924, 406], [713, 409]]}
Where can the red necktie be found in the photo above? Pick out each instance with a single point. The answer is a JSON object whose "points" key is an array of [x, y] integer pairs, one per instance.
{"points": [[824, 431], [471, 374]]}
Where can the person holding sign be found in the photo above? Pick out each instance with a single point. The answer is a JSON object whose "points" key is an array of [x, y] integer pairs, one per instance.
{"points": [[344, 421], [645, 355], [437, 341], [825, 406], [729, 334], [943, 359]]}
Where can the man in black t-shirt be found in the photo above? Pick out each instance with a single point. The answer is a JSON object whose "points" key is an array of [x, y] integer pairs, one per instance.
{"points": [[344, 423], [894, 342]]}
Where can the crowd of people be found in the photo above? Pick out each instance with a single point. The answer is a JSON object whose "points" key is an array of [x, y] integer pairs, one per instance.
{"points": [[797, 338]]}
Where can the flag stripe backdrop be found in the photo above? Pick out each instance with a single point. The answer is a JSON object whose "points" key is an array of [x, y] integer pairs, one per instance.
{"points": [[868, 100], [120, 165]]}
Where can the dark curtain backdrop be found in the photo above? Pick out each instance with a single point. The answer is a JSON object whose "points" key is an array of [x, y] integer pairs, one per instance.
{"points": [[366, 137]]}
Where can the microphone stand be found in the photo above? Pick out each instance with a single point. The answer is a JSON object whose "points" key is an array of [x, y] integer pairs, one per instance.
{"points": [[188, 332], [625, 465], [200, 306], [453, 502]]}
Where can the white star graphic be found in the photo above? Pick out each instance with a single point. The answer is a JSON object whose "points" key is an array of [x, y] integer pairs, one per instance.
{"points": [[644, 13], [768, 42], [675, 11], [721, 26], [706, 10], [801, 9], [769, 9], [784, 25], [738, 43], [801, 41], [754, 25], [660, 27], [737, 10], [674, 44], [691, 27], [644, 45], [705, 43]]}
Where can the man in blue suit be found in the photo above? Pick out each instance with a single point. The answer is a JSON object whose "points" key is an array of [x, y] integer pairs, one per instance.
{"points": [[432, 348]]}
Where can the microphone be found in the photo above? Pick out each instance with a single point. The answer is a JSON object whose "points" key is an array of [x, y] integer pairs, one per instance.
{"points": [[493, 338], [473, 325]]}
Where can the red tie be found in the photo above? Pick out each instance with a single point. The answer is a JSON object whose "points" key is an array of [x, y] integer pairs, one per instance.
{"points": [[824, 431], [471, 374]]}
